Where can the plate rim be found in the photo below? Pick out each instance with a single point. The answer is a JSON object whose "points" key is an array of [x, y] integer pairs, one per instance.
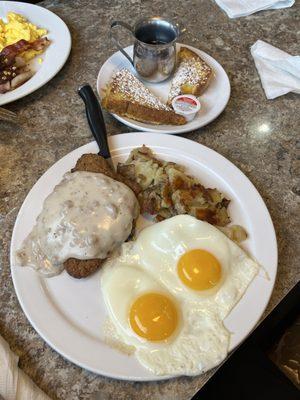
{"points": [[43, 81], [120, 146], [155, 128]]}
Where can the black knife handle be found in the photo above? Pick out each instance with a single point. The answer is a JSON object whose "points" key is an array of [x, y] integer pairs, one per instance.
{"points": [[95, 118]]}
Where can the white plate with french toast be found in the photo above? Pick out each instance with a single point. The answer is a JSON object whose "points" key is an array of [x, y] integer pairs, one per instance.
{"points": [[70, 314], [117, 70]]}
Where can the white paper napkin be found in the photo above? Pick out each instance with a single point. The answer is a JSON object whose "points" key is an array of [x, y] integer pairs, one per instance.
{"points": [[279, 71], [14, 383], [241, 8]]}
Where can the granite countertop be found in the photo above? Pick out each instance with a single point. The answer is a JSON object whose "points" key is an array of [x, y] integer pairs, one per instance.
{"points": [[257, 135]]}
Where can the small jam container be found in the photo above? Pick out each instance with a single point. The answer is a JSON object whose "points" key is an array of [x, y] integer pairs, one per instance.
{"points": [[186, 105]]}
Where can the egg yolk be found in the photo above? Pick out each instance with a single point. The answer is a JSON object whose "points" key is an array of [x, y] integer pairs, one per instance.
{"points": [[199, 270], [153, 316]]}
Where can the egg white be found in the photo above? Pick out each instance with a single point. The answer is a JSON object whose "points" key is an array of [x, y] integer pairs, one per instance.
{"points": [[149, 264], [199, 343], [121, 285], [159, 247]]}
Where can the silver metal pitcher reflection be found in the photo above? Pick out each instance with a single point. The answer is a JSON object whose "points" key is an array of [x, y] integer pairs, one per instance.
{"points": [[154, 49]]}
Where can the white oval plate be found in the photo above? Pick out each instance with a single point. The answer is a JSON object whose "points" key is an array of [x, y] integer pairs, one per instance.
{"points": [[213, 100], [69, 313], [54, 57]]}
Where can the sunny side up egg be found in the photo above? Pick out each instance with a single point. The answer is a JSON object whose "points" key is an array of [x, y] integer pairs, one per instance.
{"points": [[196, 262], [201, 275], [169, 336]]}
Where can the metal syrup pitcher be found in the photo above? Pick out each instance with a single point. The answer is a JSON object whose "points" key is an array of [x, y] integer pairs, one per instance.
{"points": [[154, 49]]}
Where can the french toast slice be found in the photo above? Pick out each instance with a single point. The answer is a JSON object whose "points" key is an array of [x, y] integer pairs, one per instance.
{"points": [[192, 75], [126, 96]]}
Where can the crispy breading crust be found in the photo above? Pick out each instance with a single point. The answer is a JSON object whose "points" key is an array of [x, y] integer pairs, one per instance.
{"points": [[94, 163], [82, 268]]}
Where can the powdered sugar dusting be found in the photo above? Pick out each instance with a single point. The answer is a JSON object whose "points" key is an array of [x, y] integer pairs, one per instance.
{"points": [[124, 81], [190, 72]]}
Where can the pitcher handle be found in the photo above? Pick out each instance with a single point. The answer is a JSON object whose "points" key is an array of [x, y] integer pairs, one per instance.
{"points": [[126, 26]]}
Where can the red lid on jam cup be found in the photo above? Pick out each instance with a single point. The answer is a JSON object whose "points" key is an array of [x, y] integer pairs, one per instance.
{"points": [[186, 105]]}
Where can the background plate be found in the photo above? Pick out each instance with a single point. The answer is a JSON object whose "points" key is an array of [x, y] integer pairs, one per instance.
{"points": [[54, 57], [213, 101], [69, 313]]}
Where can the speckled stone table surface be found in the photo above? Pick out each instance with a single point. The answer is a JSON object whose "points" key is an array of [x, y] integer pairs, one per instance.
{"points": [[258, 135]]}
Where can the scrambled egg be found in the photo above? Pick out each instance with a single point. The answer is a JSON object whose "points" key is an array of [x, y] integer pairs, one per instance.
{"points": [[16, 28]]}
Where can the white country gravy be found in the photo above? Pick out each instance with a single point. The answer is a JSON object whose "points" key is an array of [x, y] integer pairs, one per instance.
{"points": [[87, 216]]}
